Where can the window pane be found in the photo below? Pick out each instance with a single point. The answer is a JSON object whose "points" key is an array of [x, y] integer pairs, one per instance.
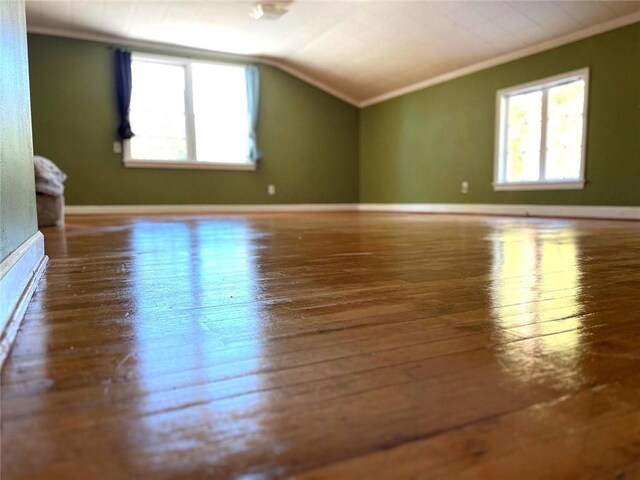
{"points": [[564, 131], [524, 119], [157, 87], [220, 106], [158, 148], [158, 111], [153, 124]]}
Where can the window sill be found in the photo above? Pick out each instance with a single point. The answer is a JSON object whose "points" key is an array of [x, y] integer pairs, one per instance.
{"points": [[189, 165], [572, 185]]}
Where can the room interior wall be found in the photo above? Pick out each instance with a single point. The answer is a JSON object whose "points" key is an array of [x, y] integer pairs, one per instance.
{"points": [[419, 147], [309, 138], [17, 190], [416, 148]]}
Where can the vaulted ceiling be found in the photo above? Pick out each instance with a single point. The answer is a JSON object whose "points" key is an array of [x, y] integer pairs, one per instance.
{"points": [[360, 50]]}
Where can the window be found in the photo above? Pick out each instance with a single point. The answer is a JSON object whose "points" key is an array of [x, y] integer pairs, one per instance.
{"points": [[541, 132], [188, 114]]}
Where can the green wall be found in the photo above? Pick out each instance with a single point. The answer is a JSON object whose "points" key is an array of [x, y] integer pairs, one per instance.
{"points": [[419, 147], [416, 148], [17, 190], [309, 138]]}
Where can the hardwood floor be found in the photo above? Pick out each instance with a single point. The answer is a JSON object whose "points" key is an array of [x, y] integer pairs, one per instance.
{"points": [[329, 346]]}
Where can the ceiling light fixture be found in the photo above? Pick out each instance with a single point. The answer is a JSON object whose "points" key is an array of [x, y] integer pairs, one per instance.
{"points": [[268, 10], [256, 12]]}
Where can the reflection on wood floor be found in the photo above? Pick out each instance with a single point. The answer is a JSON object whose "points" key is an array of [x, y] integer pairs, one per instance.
{"points": [[329, 346]]}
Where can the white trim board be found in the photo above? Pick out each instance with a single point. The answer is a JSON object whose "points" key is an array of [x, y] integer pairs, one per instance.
{"points": [[520, 210], [577, 211], [204, 209], [186, 165], [19, 276]]}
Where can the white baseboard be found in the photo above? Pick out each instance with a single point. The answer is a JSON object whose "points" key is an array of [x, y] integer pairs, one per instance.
{"points": [[571, 211], [169, 209], [19, 276]]}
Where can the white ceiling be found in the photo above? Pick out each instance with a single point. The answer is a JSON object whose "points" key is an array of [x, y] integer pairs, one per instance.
{"points": [[358, 49]]}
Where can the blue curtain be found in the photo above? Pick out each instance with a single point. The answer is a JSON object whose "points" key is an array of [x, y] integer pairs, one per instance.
{"points": [[123, 89], [252, 77]]}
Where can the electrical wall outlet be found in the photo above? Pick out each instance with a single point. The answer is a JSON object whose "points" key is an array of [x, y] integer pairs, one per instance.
{"points": [[464, 188], [117, 147], [271, 189]]}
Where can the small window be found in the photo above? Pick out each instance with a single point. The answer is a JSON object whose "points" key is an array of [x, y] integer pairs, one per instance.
{"points": [[188, 114], [541, 133]]}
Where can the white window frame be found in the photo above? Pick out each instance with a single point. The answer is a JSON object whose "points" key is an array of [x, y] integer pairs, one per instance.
{"points": [[191, 162], [500, 154]]}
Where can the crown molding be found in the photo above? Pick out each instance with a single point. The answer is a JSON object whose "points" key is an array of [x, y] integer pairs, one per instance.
{"points": [[130, 42], [308, 79], [284, 66], [508, 57]]}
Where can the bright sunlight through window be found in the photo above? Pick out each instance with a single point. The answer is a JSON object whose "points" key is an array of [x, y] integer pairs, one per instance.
{"points": [[188, 112], [541, 134]]}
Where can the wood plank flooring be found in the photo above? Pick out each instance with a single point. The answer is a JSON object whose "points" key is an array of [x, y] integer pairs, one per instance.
{"points": [[325, 346]]}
